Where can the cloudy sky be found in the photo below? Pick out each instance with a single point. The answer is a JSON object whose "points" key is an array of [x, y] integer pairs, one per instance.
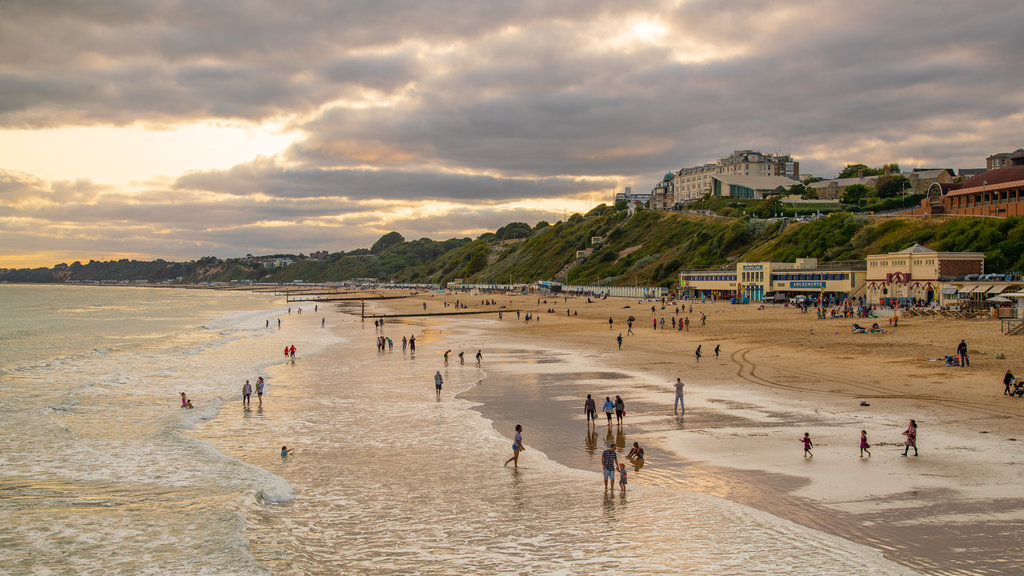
{"points": [[179, 129]]}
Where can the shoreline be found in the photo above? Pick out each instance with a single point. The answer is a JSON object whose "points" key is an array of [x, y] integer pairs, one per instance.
{"points": [[948, 511]]}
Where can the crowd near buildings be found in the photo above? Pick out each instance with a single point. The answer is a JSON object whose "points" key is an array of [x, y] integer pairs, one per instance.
{"points": [[913, 277], [996, 190]]}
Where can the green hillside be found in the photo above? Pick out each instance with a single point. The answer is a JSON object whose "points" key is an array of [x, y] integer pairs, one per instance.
{"points": [[605, 246]]}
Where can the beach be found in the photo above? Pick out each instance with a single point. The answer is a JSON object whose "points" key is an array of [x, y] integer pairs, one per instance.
{"points": [[780, 373]]}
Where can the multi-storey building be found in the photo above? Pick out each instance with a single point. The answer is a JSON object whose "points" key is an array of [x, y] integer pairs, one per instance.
{"points": [[1004, 159], [630, 198], [663, 196], [692, 183]]}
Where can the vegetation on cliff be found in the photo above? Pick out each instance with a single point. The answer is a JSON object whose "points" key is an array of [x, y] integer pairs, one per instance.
{"points": [[606, 246]]}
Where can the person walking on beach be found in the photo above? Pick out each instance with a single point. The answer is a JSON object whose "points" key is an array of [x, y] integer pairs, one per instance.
{"points": [[259, 390], [517, 446], [246, 394], [807, 444], [864, 444], [620, 409], [610, 323], [911, 434], [446, 356], [698, 352], [438, 381], [608, 408], [462, 358], [589, 407], [412, 344], [1007, 382], [961, 351], [718, 348], [479, 358], [677, 404], [619, 340], [609, 463]]}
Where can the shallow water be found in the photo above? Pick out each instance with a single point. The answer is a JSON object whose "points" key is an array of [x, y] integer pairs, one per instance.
{"points": [[102, 472]]}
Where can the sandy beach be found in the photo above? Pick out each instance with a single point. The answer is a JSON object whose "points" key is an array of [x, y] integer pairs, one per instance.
{"points": [[956, 508]]}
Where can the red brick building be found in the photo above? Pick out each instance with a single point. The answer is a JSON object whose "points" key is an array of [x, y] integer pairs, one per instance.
{"points": [[998, 193]]}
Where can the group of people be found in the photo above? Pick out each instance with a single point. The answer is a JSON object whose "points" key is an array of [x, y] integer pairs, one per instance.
{"points": [[185, 402], [289, 351], [438, 379], [610, 465], [909, 442], [618, 407], [247, 392]]}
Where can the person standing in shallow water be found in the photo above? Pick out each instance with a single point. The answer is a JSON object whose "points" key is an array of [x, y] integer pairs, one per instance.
{"points": [[609, 464], [608, 408], [589, 407], [864, 444], [517, 446], [438, 381], [678, 403]]}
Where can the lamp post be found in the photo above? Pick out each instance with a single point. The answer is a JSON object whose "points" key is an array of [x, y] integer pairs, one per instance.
{"points": [[903, 189]]}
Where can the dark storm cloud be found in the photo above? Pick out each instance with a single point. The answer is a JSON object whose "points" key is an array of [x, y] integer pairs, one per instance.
{"points": [[483, 103], [266, 177]]}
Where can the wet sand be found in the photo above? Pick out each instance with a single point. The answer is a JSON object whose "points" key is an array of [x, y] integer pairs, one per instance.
{"points": [[955, 509]]}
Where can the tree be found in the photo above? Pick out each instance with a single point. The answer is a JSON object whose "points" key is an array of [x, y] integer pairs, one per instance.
{"points": [[852, 170], [797, 189], [514, 230], [855, 193], [477, 261], [891, 186], [386, 241]]}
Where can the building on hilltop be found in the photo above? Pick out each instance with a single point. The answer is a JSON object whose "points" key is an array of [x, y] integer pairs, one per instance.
{"points": [[663, 196], [750, 187], [1005, 160], [695, 182], [922, 178], [996, 193], [835, 188], [630, 198]]}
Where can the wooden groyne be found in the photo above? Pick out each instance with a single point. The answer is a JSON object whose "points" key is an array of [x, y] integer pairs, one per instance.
{"points": [[423, 314], [328, 297]]}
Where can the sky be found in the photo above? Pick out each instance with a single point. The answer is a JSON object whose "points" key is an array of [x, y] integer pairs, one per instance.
{"points": [[179, 129]]}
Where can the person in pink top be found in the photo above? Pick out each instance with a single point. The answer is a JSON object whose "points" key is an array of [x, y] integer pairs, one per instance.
{"points": [[807, 445], [864, 444]]}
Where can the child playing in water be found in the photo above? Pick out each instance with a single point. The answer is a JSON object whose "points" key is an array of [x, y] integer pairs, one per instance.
{"points": [[622, 477], [807, 445], [864, 444], [285, 451]]}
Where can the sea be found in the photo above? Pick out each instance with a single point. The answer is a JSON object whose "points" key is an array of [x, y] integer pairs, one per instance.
{"points": [[103, 472]]}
